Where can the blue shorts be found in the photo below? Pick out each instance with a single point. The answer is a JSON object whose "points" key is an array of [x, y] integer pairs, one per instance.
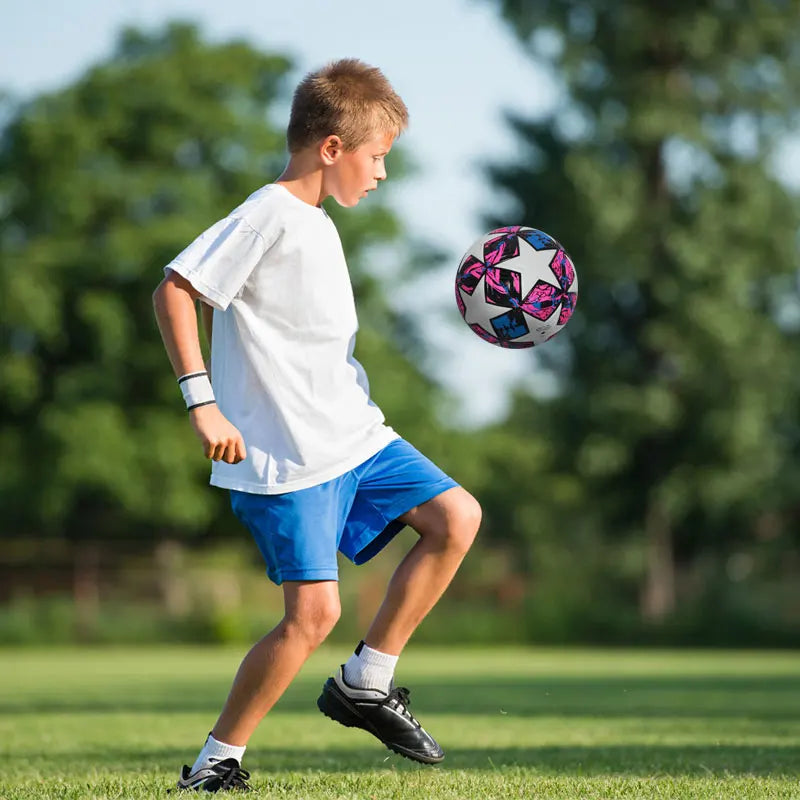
{"points": [[299, 533]]}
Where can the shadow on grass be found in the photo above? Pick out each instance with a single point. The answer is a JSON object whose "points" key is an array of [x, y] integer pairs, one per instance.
{"points": [[767, 698], [624, 760]]}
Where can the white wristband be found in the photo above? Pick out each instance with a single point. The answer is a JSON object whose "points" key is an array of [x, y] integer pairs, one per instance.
{"points": [[196, 388]]}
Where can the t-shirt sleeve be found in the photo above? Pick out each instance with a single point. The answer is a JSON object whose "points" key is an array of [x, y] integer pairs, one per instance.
{"points": [[219, 261]]}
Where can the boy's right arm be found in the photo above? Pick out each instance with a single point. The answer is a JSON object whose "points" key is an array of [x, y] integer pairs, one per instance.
{"points": [[174, 305]]}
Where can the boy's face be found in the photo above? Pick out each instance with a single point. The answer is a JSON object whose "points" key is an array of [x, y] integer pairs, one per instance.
{"points": [[350, 174]]}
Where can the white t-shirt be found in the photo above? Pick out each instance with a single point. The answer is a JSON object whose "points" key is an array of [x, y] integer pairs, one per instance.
{"points": [[282, 361]]}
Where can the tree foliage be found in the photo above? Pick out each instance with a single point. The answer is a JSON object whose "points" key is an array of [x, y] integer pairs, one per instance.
{"points": [[675, 427], [101, 184]]}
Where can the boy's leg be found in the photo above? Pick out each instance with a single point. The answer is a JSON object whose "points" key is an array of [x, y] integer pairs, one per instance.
{"points": [[447, 525], [298, 535], [312, 610]]}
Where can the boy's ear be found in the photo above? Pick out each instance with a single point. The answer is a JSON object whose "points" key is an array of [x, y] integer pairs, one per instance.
{"points": [[331, 149]]}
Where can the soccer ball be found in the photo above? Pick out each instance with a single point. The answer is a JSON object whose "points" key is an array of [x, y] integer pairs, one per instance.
{"points": [[516, 287]]}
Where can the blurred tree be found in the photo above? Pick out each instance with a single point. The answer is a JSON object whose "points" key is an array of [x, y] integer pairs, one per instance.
{"points": [[101, 184], [674, 428]]}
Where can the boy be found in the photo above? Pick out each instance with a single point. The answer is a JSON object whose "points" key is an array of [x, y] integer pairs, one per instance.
{"points": [[289, 425]]}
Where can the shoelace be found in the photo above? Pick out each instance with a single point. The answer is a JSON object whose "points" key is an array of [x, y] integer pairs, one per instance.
{"points": [[399, 700], [235, 778]]}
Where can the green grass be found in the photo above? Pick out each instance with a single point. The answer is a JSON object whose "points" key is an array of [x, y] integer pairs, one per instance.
{"points": [[118, 723]]}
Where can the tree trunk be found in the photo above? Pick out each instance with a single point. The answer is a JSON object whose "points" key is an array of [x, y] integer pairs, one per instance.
{"points": [[658, 593]]}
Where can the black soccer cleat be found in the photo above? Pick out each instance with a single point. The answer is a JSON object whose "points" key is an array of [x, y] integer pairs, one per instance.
{"points": [[224, 776], [385, 716]]}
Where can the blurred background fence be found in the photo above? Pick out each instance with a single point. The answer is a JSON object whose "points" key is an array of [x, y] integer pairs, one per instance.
{"points": [[641, 487]]}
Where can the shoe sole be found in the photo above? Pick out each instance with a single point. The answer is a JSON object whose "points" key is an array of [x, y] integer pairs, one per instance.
{"points": [[334, 705]]}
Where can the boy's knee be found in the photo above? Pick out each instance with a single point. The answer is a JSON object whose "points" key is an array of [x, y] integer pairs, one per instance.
{"points": [[458, 525], [314, 622], [466, 522]]}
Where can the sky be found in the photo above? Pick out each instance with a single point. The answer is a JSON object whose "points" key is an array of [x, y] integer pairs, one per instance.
{"points": [[454, 62]]}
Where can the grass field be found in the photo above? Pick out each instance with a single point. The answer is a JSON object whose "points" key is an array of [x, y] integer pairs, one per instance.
{"points": [[118, 723]]}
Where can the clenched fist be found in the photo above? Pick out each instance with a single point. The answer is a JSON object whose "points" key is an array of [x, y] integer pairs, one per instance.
{"points": [[221, 440]]}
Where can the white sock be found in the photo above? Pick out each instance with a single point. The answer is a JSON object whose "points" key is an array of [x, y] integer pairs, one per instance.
{"points": [[214, 751], [370, 669]]}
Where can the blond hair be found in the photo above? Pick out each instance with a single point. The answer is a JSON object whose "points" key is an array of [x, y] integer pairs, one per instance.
{"points": [[348, 99]]}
